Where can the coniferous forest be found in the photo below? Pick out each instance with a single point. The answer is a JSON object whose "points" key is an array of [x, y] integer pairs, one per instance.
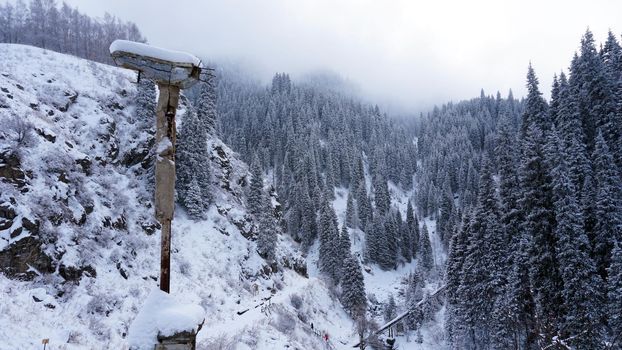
{"points": [[45, 24], [526, 194], [530, 209]]}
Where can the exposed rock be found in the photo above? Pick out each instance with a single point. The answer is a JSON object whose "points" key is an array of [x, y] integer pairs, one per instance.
{"points": [[72, 96], [245, 227], [85, 163], [298, 265], [120, 223], [113, 150], [88, 208], [63, 177], [5, 224], [115, 105], [18, 258], [122, 271], [18, 231], [135, 156], [150, 227], [74, 274], [56, 219], [7, 214], [7, 211], [46, 135], [10, 169], [82, 220], [222, 160], [31, 226]]}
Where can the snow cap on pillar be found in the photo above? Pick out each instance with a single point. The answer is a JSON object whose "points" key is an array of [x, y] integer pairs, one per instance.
{"points": [[174, 68]]}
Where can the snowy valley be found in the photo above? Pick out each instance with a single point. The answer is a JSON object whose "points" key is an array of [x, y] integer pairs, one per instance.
{"points": [[80, 245], [311, 211]]}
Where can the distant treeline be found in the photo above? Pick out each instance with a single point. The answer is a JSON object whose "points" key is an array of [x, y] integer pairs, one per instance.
{"points": [[44, 24]]}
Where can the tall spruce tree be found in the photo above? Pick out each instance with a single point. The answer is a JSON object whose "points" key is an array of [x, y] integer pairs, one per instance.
{"points": [[363, 206], [537, 205], [255, 192], [194, 201], [145, 104], [414, 294], [390, 309], [382, 198], [614, 295], [344, 243], [193, 161], [608, 209], [206, 105], [375, 239], [484, 266], [267, 231], [456, 311], [445, 220], [425, 259], [412, 225], [329, 242], [390, 250], [535, 106], [144, 117], [582, 289], [592, 92], [353, 296], [571, 132]]}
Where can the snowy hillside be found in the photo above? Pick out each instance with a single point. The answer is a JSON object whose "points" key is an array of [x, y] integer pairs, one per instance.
{"points": [[79, 248], [76, 201]]}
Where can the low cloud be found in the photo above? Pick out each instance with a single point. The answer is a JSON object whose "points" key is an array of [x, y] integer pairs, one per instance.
{"points": [[407, 54]]}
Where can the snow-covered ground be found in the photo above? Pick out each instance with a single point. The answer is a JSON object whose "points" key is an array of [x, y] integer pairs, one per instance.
{"points": [[83, 110], [380, 283], [98, 217]]}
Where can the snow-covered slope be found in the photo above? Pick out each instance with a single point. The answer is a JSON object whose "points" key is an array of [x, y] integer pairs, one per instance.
{"points": [[380, 284], [79, 248]]}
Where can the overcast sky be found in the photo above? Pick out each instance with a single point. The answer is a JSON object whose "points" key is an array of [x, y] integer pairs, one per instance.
{"points": [[409, 53]]}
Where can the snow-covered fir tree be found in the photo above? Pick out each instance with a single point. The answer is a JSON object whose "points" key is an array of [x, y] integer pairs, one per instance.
{"points": [[425, 259], [353, 296], [329, 252], [193, 161]]}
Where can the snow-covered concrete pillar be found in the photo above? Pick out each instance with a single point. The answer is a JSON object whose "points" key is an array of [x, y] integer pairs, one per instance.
{"points": [[165, 174], [172, 71]]}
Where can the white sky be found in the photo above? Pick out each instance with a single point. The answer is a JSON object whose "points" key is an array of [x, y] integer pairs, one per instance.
{"points": [[407, 53]]}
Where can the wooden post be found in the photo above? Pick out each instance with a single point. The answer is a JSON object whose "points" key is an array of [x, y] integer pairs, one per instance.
{"points": [[165, 174]]}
